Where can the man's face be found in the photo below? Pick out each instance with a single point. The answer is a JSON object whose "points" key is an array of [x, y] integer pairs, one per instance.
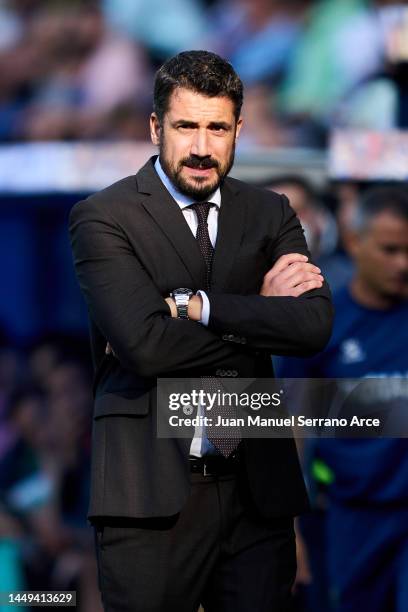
{"points": [[197, 141], [381, 255]]}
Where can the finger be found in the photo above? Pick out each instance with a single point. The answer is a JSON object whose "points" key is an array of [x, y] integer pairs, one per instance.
{"points": [[288, 288], [302, 277], [297, 268], [280, 265], [306, 286], [284, 261], [108, 349]]}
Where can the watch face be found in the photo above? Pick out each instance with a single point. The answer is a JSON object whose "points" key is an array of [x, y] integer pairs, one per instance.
{"points": [[183, 291]]}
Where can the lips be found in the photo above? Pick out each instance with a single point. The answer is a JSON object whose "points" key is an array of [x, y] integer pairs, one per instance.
{"points": [[199, 170]]}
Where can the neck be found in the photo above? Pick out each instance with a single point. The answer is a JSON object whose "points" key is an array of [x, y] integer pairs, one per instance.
{"points": [[366, 296]]}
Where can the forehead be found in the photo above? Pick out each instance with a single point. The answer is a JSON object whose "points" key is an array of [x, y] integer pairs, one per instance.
{"points": [[193, 106], [389, 227], [296, 194]]}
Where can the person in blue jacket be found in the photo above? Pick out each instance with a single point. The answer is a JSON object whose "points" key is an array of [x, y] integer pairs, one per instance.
{"points": [[367, 518]]}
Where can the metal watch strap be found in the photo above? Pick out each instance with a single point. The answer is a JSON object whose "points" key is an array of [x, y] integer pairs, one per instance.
{"points": [[182, 305], [181, 297]]}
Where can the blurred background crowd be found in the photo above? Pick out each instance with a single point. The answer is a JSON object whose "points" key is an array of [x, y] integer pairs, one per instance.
{"points": [[45, 416], [83, 70]]}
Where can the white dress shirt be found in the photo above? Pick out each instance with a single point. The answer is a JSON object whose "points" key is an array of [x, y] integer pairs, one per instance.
{"points": [[200, 444]]}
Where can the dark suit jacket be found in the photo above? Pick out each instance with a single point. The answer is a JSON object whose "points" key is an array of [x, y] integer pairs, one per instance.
{"points": [[131, 247]]}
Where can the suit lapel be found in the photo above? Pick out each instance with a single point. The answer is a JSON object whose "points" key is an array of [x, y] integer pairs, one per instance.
{"points": [[231, 223], [168, 216]]}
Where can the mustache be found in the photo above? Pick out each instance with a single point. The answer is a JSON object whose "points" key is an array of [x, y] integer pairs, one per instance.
{"points": [[199, 162]]}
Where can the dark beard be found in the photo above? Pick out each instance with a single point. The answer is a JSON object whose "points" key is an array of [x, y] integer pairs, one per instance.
{"points": [[195, 190]]}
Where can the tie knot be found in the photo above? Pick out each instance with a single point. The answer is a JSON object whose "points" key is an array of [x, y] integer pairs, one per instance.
{"points": [[202, 209]]}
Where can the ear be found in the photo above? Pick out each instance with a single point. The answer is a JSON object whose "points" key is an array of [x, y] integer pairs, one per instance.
{"points": [[238, 127], [352, 242], [155, 129]]}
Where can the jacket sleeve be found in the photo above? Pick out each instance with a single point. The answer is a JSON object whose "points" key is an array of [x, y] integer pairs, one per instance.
{"points": [[128, 308], [299, 326]]}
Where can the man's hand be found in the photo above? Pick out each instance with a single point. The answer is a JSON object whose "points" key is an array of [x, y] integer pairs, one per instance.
{"points": [[291, 275], [303, 572]]}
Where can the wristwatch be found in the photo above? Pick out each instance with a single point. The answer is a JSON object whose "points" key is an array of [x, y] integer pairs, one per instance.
{"points": [[181, 296]]}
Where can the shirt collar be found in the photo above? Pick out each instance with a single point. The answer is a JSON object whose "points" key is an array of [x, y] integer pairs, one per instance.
{"points": [[182, 200]]}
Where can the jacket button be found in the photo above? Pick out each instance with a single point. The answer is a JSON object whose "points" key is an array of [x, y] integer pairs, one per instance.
{"points": [[231, 337], [234, 373], [220, 372], [224, 336]]}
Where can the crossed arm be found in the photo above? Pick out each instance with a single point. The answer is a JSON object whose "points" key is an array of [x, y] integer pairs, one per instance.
{"points": [[303, 326], [132, 314], [291, 275]]}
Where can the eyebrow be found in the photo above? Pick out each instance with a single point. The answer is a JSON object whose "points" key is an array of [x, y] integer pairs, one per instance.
{"points": [[220, 124], [213, 124]]}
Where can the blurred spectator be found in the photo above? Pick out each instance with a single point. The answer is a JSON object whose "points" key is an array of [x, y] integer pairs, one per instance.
{"points": [[321, 71], [262, 126], [338, 267], [258, 37], [318, 223], [378, 97], [68, 76], [329, 84], [10, 27], [325, 233], [45, 541], [367, 479], [83, 69], [12, 376], [164, 28], [53, 348]]}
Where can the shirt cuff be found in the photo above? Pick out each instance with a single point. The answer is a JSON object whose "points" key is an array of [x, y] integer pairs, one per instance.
{"points": [[205, 311]]}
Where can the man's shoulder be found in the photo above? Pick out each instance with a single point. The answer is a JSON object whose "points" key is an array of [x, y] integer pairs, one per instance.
{"points": [[112, 193], [130, 190], [105, 201], [118, 196]]}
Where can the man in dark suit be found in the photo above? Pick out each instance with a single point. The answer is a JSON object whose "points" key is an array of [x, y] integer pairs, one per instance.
{"points": [[180, 522]]}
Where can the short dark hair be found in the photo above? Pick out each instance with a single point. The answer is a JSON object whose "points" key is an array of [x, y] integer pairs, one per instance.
{"points": [[199, 71], [376, 200], [296, 180]]}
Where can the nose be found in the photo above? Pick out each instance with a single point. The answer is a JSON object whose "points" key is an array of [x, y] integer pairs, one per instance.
{"points": [[200, 145]]}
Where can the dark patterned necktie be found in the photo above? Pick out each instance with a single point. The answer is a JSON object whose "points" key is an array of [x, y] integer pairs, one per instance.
{"points": [[225, 438], [202, 210]]}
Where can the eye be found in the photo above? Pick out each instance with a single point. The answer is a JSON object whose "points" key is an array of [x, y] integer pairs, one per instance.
{"points": [[390, 249]]}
